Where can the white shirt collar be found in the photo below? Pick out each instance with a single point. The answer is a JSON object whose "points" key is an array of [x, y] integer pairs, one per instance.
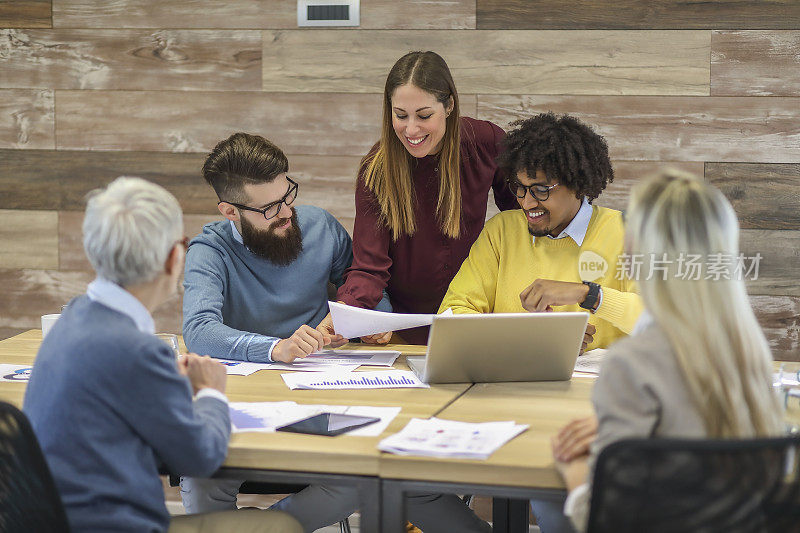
{"points": [[115, 297], [578, 225], [236, 235]]}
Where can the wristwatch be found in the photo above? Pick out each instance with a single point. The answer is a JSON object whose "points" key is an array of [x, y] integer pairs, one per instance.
{"points": [[591, 298]]}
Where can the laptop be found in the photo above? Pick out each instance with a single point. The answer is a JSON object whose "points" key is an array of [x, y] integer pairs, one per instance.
{"points": [[487, 348]]}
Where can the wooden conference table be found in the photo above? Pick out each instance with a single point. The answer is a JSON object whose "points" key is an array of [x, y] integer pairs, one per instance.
{"points": [[521, 469]]}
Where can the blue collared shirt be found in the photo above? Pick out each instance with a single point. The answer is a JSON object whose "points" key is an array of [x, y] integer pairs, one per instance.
{"points": [[115, 297], [236, 235]]}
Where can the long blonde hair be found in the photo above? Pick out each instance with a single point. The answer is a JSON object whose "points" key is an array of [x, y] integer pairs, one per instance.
{"points": [[387, 171], [719, 346]]}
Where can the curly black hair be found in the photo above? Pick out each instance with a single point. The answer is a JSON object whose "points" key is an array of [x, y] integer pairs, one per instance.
{"points": [[565, 149]]}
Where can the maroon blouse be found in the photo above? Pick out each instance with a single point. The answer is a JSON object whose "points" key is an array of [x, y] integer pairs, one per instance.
{"points": [[417, 270]]}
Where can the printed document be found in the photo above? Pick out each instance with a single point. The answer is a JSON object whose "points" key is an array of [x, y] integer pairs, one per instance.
{"points": [[358, 357], [436, 437], [244, 368], [321, 361], [588, 364], [381, 379], [15, 373], [266, 416], [352, 322]]}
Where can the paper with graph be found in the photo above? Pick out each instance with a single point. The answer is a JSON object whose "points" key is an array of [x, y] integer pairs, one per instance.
{"points": [[382, 379]]}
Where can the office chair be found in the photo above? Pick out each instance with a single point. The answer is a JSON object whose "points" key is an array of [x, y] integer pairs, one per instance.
{"points": [[29, 500], [669, 485]]}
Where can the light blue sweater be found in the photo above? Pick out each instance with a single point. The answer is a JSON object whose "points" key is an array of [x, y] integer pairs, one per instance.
{"points": [[108, 406], [237, 305]]}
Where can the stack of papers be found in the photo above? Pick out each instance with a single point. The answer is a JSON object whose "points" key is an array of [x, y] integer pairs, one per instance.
{"points": [[446, 438], [387, 379], [588, 364], [264, 417], [354, 357], [322, 361]]}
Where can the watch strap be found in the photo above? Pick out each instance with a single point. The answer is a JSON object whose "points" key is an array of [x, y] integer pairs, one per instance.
{"points": [[591, 297]]}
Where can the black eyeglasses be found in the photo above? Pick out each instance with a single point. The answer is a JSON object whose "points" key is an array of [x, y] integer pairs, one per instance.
{"points": [[272, 210], [540, 192]]}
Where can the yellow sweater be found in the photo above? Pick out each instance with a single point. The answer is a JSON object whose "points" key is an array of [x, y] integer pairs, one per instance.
{"points": [[504, 261]]}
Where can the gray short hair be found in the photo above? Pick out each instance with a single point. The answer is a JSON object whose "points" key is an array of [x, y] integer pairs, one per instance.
{"points": [[129, 229]]}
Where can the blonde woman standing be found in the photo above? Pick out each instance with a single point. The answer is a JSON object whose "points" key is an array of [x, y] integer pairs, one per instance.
{"points": [[421, 193], [698, 365]]}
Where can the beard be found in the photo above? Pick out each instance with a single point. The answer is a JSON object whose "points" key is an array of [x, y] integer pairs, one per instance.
{"points": [[281, 250], [539, 232]]}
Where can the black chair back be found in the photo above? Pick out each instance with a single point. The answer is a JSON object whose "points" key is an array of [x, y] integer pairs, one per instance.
{"points": [[29, 500], [668, 485]]}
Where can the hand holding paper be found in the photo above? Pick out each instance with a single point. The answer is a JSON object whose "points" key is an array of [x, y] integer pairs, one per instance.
{"points": [[354, 322]]}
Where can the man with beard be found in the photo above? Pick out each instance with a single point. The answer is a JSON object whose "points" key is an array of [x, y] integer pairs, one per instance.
{"points": [[559, 253], [256, 287], [256, 283]]}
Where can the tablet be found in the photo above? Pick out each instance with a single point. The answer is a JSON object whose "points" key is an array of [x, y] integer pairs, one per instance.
{"points": [[328, 424]]}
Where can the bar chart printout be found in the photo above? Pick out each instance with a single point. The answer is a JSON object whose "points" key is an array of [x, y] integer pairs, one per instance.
{"points": [[391, 379]]}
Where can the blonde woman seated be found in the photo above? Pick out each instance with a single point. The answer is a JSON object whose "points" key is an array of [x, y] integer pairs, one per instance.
{"points": [[697, 364]]}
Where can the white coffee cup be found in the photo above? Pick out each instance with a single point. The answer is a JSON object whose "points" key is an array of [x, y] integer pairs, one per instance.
{"points": [[47, 323]]}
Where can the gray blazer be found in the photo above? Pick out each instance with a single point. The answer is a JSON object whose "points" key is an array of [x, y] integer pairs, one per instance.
{"points": [[640, 393]]}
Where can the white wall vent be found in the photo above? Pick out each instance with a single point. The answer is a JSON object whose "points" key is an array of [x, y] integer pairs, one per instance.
{"points": [[328, 13]]}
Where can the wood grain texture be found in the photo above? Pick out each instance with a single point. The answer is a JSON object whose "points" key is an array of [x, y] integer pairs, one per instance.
{"points": [[329, 124], [70, 237], [28, 239], [30, 293], [277, 14], [131, 59], [636, 14], [59, 180], [779, 317], [780, 261], [242, 14], [764, 196], [755, 63], [27, 181], [629, 173], [672, 128], [25, 14], [495, 62], [418, 14], [26, 118], [328, 182], [70, 242]]}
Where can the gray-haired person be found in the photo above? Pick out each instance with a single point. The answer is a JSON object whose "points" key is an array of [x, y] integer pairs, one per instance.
{"points": [[106, 398]]}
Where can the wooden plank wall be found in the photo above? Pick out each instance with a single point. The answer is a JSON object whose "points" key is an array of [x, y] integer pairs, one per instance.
{"points": [[91, 90]]}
